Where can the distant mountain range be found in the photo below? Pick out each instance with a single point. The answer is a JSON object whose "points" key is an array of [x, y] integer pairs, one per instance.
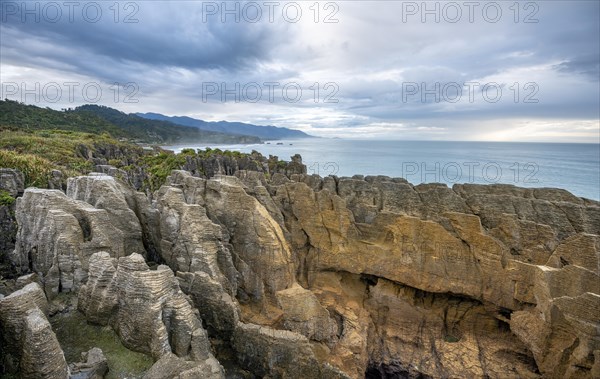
{"points": [[152, 128], [100, 119], [160, 131], [262, 132]]}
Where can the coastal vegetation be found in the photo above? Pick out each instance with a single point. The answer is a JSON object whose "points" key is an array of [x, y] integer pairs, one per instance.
{"points": [[48, 145]]}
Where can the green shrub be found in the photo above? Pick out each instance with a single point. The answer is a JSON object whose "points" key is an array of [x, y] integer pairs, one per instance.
{"points": [[6, 199], [160, 166], [188, 152], [36, 169], [115, 162]]}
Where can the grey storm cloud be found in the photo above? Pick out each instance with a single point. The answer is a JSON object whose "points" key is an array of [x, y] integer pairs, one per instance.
{"points": [[585, 65], [159, 34], [370, 54]]}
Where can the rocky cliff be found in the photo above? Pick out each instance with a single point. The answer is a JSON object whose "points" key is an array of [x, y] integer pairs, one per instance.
{"points": [[285, 275]]}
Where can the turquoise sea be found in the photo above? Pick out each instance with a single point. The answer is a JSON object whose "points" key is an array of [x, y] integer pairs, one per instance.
{"points": [[574, 167]]}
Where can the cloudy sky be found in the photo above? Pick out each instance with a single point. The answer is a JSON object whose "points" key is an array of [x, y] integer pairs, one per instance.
{"points": [[505, 71]]}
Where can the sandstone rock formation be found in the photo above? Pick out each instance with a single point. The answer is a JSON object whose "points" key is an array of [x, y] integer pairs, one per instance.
{"points": [[275, 353], [42, 355], [57, 235], [117, 199], [94, 366], [302, 313], [29, 346], [12, 185], [189, 241], [146, 308], [302, 276], [170, 366], [362, 245], [223, 231], [12, 181]]}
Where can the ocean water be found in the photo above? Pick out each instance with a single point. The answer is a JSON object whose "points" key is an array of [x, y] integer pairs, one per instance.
{"points": [[574, 167]]}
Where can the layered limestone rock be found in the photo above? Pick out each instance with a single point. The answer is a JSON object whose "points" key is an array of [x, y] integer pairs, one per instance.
{"points": [[29, 345], [57, 235], [278, 354], [11, 184], [93, 365], [302, 276], [170, 366], [189, 241], [262, 253], [303, 313], [145, 307], [97, 299], [42, 355], [262, 350], [130, 210], [408, 280], [441, 335], [563, 329], [12, 181], [252, 252], [153, 316], [117, 199], [493, 245], [217, 308]]}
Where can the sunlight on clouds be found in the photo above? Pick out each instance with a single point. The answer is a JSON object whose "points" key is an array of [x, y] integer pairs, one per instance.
{"points": [[542, 130]]}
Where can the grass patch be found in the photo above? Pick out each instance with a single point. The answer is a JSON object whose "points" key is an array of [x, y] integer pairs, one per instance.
{"points": [[36, 169], [159, 166], [6, 199], [36, 153], [76, 336], [450, 338]]}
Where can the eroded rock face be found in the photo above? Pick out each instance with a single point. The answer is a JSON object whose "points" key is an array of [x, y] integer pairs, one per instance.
{"points": [[263, 254], [170, 366], [12, 181], [42, 355], [57, 235], [98, 298], [302, 313], [94, 366], [145, 307], [275, 353], [217, 308], [117, 199], [412, 280], [302, 276], [252, 253], [29, 345], [507, 250], [152, 311], [190, 242]]}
